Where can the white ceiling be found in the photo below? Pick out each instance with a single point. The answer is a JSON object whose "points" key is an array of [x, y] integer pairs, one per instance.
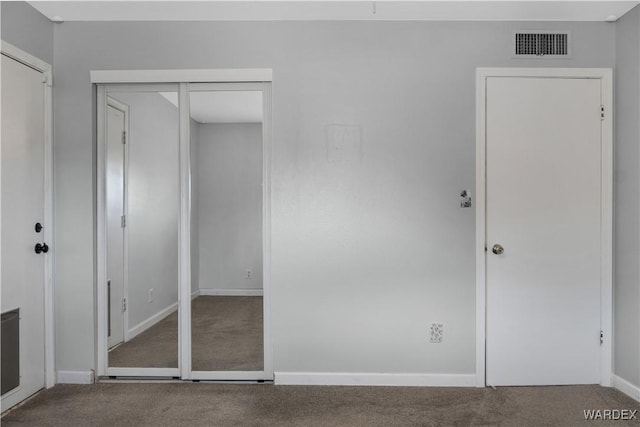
{"points": [[267, 10], [222, 107]]}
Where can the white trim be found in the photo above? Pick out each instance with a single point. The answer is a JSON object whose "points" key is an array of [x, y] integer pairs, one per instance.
{"points": [[102, 317], [21, 56], [151, 321], [228, 375], [75, 377], [480, 229], [232, 292], [195, 294], [626, 387], [143, 372], [178, 76], [606, 275], [48, 235], [184, 236], [267, 144], [375, 379]]}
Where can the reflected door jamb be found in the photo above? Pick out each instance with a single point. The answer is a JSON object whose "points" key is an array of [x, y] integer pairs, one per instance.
{"points": [[125, 209]]}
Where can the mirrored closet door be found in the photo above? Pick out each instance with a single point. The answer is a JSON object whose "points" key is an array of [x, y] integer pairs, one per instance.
{"points": [[227, 309], [183, 229], [142, 218]]}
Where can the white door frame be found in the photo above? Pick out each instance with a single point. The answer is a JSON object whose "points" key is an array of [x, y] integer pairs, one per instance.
{"points": [[49, 314], [606, 251], [124, 108], [148, 80]]}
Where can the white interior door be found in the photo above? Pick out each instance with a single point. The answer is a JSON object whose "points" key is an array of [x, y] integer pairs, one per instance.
{"points": [[115, 229], [22, 157], [543, 195]]}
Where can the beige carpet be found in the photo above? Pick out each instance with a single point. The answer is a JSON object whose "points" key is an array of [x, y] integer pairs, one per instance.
{"points": [[227, 335], [189, 404]]}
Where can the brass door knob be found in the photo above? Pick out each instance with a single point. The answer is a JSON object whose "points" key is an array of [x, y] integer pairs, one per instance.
{"points": [[497, 249]]}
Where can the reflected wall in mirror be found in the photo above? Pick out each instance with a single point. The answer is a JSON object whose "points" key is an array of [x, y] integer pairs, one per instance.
{"points": [[142, 230], [226, 231]]}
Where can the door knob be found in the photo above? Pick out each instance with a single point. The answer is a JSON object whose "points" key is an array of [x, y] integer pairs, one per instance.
{"points": [[41, 248], [497, 249]]}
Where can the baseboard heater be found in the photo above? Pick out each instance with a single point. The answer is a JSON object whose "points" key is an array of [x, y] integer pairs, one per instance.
{"points": [[10, 351]]}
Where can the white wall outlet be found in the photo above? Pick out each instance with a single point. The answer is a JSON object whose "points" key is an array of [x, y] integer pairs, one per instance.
{"points": [[150, 295], [249, 274], [436, 332]]}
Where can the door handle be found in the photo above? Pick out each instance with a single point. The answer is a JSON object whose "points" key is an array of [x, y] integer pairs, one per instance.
{"points": [[41, 248], [497, 249]]}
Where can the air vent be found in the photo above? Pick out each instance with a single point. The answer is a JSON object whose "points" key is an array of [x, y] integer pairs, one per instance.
{"points": [[541, 44]]}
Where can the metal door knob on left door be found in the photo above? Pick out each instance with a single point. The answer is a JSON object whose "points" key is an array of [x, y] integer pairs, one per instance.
{"points": [[41, 248], [497, 249]]}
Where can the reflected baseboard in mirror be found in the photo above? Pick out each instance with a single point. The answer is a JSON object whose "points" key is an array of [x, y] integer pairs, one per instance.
{"points": [[157, 347]]}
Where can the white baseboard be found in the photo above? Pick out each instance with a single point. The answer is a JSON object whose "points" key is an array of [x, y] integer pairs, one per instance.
{"points": [[195, 294], [368, 379], [232, 292], [626, 387], [74, 377], [146, 324]]}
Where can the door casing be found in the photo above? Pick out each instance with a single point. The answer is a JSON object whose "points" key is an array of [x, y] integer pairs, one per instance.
{"points": [[37, 64], [606, 249]]}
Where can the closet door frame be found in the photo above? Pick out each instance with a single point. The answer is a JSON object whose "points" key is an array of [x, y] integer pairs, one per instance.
{"points": [[185, 306], [106, 81]]}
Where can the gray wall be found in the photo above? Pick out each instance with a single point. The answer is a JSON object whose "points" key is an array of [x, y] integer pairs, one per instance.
{"points": [[27, 29], [229, 181], [152, 221], [364, 253], [627, 197]]}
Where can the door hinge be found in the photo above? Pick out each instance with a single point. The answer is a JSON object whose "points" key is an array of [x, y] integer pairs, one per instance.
{"points": [[601, 337], [602, 112], [124, 136], [123, 221], [124, 305]]}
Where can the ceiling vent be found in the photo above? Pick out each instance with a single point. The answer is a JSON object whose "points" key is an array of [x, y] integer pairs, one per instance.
{"points": [[542, 44]]}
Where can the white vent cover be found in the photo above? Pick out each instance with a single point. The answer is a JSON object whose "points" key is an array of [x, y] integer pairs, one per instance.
{"points": [[541, 44]]}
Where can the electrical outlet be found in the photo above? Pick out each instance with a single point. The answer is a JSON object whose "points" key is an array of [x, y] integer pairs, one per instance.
{"points": [[151, 295], [436, 332], [249, 274]]}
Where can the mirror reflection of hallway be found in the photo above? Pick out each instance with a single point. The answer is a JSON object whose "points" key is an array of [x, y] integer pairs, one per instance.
{"points": [[226, 230], [142, 139]]}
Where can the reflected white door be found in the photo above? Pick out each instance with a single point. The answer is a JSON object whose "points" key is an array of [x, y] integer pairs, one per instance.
{"points": [[544, 209], [115, 229], [22, 167]]}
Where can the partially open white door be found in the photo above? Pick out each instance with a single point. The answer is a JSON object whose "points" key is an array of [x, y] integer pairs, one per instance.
{"points": [[543, 230], [22, 210]]}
